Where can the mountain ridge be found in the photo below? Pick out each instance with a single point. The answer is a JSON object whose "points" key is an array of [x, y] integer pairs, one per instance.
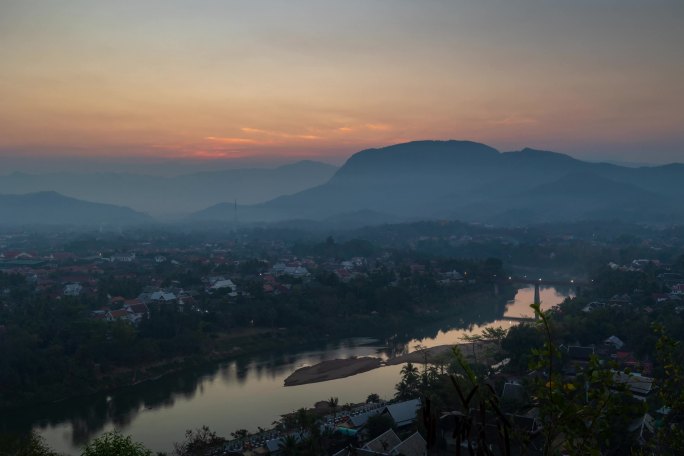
{"points": [[474, 182], [52, 208], [180, 194]]}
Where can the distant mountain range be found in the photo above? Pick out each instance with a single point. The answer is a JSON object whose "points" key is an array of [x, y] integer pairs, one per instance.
{"points": [[474, 182], [422, 180], [178, 195], [50, 208]]}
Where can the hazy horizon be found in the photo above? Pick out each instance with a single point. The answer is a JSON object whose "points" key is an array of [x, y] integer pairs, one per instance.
{"points": [[260, 82], [158, 166], [162, 166]]}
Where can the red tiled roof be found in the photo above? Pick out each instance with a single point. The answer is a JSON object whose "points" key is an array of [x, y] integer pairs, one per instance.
{"points": [[139, 308], [118, 313]]}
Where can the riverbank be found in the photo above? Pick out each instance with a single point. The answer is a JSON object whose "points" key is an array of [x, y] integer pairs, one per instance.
{"points": [[227, 346], [220, 347], [245, 390], [481, 352]]}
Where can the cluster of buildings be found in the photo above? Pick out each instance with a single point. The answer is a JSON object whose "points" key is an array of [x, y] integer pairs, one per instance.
{"points": [[60, 272], [130, 310], [352, 433]]}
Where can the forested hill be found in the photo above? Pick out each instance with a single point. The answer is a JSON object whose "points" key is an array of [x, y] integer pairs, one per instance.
{"points": [[474, 182]]}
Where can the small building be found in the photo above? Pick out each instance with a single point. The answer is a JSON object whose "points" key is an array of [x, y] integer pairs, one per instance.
{"points": [[594, 305], [614, 342], [73, 289], [389, 444], [137, 311], [403, 413], [120, 314], [620, 299], [678, 289], [223, 284], [639, 385], [123, 257], [296, 271], [278, 269], [383, 443], [361, 419], [162, 296], [414, 445]]}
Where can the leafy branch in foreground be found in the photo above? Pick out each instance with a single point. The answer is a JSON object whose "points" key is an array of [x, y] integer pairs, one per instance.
{"points": [[581, 415], [480, 414], [669, 437]]}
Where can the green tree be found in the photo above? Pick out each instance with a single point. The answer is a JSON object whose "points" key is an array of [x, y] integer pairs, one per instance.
{"points": [[408, 387], [30, 445], [197, 442], [373, 398], [519, 343], [240, 434], [115, 444], [583, 416], [670, 436]]}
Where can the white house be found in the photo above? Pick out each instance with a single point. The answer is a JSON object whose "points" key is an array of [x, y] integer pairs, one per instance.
{"points": [[296, 271], [72, 289], [222, 284], [278, 268], [123, 257]]}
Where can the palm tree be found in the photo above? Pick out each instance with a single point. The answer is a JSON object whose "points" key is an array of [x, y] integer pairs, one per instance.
{"points": [[332, 403], [410, 374], [309, 432], [408, 386], [403, 391], [288, 446], [306, 420]]}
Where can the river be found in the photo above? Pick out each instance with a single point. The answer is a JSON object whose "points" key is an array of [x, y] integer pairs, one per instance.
{"points": [[244, 393]]}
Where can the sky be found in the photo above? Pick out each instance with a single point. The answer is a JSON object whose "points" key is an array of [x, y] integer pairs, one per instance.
{"points": [[271, 81]]}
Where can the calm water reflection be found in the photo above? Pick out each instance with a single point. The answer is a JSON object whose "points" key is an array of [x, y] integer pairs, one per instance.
{"points": [[518, 307], [244, 393]]}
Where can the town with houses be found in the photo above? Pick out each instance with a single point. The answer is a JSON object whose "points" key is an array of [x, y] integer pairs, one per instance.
{"points": [[135, 280], [62, 274]]}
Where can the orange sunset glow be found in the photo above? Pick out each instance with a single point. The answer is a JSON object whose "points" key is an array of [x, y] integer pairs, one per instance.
{"points": [[177, 79]]}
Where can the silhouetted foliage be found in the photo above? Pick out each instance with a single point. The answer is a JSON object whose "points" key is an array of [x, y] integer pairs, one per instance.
{"points": [[115, 444], [377, 424]]}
